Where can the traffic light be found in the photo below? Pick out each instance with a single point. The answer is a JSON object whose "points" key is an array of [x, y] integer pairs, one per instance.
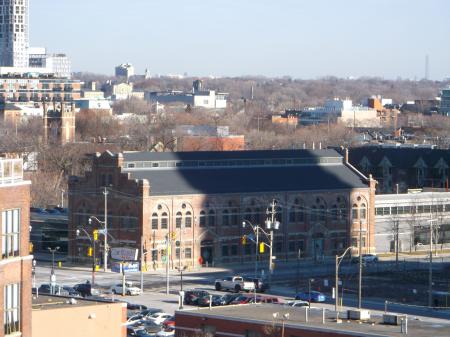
{"points": [[89, 253], [95, 234], [173, 236], [30, 247], [244, 240], [261, 247]]}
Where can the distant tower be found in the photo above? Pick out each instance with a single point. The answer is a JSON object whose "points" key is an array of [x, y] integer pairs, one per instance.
{"points": [[427, 67], [59, 123], [147, 74], [14, 33], [252, 93], [197, 86]]}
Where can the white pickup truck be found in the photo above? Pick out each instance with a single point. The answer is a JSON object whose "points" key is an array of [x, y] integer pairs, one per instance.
{"points": [[234, 283]]}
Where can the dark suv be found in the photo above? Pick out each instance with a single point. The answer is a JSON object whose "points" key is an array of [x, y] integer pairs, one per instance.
{"points": [[85, 289], [191, 296]]}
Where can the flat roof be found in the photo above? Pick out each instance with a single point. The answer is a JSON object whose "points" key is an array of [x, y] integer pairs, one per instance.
{"points": [[49, 302], [264, 314]]}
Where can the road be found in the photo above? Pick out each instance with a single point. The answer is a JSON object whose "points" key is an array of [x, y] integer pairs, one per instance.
{"points": [[155, 286]]}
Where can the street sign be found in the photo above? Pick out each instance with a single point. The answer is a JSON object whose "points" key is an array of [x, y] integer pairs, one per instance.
{"points": [[124, 254], [126, 267]]}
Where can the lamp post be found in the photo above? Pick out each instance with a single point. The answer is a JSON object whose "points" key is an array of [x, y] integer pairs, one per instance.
{"points": [[309, 291], [52, 274], [181, 270], [256, 231], [298, 271], [336, 287], [94, 264], [105, 234]]}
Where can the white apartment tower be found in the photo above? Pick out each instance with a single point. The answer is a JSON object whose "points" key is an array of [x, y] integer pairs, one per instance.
{"points": [[14, 33]]}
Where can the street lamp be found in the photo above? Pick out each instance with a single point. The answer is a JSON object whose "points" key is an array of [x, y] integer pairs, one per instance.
{"points": [[283, 319], [52, 274], [181, 270], [105, 235], [94, 264], [336, 287], [309, 291], [256, 231]]}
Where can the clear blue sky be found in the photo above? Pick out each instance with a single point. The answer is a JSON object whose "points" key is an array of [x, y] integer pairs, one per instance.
{"points": [[299, 38]]}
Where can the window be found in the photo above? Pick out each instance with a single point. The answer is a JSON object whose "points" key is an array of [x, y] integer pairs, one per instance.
{"points": [[202, 219], [154, 221], [10, 233], [354, 242], [363, 211], [188, 220], [178, 220], [225, 251], [291, 246], [322, 213], [188, 253], [164, 221], [177, 253], [355, 211], [225, 218], [313, 213], [234, 250], [211, 218], [11, 308], [234, 218]]}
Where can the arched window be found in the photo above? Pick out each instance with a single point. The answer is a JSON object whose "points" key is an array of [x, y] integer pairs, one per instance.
{"points": [[322, 213], [293, 214], [314, 213], [178, 220], [164, 220], [355, 211], [154, 221], [202, 219], [362, 212], [225, 218], [234, 217], [188, 220], [211, 218]]}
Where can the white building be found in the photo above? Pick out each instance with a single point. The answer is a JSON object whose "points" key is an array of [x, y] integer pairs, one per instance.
{"points": [[410, 214], [445, 102], [14, 33], [57, 64]]}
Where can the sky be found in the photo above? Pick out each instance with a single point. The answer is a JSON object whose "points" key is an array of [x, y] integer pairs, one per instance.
{"points": [[299, 38]]}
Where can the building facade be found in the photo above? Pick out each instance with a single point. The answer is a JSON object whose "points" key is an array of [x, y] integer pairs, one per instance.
{"points": [[125, 70], [199, 200], [59, 122], [445, 102], [15, 262], [405, 219], [14, 33], [35, 88]]}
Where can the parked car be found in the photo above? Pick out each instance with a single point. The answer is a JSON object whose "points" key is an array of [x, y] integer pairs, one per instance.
{"points": [[314, 296], [149, 311], [149, 326], [261, 285], [130, 290], [136, 307], [217, 300], [228, 298], [271, 299], [72, 291], [38, 210], [243, 299], [234, 283], [366, 258], [297, 303], [159, 317], [168, 323], [85, 289], [57, 290], [191, 296], [166, 333]]}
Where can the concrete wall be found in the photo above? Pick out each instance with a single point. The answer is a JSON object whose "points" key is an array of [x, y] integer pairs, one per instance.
{"points": [[98, 319]]}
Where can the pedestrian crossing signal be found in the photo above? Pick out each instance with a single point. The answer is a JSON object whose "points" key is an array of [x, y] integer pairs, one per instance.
{"points": [[95, 235], [244, 240]]}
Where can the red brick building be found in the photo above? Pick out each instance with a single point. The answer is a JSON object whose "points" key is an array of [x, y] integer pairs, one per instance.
{"points": [[199, 200], [15, 261]]}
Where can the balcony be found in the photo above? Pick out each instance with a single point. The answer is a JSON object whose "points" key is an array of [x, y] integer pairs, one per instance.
{"points": [[11, 171]]}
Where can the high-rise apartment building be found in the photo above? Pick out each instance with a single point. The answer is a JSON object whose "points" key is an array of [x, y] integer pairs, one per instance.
{"points": [[14, 33], [15, 260]]}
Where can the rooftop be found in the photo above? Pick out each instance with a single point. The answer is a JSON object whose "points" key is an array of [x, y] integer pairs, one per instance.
{"points": [[264, 314], [241, 171], [48, 302]]}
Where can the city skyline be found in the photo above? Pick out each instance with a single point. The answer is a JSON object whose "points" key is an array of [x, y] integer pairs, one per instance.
{"points": [[303, 40]]}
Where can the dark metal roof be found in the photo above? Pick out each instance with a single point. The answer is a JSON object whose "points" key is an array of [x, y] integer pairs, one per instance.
{"points": [[398, 157], [224, 155], [250, 179]]}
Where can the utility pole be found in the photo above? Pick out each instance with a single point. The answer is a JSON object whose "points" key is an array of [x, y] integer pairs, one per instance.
{"points": [[360, 265], [396, 242], [256, 251], [167, 263], [105, 253], [62, 198], [142, 263], [272, 213], [430, 270]]}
